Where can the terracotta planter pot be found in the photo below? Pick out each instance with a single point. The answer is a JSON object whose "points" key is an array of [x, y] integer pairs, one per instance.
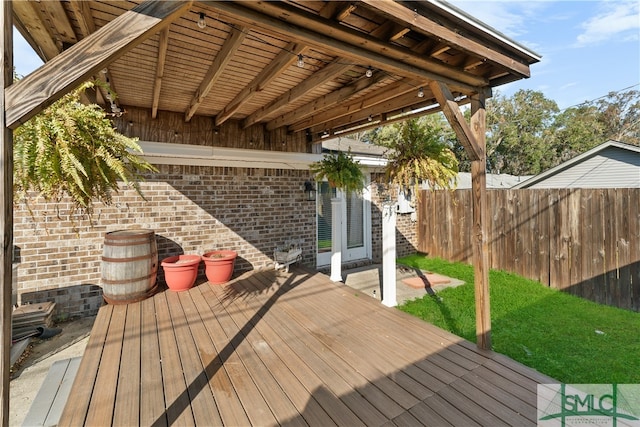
{"points": [[181, 271], [219, 266]]}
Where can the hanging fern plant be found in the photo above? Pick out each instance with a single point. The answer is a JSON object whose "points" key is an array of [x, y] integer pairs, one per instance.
{"points": [[340, 170], [416, 153], [72, 150]]}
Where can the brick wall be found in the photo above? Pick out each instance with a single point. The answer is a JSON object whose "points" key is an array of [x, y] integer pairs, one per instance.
{"points": [[192, 209]]}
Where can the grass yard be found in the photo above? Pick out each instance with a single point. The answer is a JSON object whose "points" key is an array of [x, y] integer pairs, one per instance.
{"points": [[573, 340]]}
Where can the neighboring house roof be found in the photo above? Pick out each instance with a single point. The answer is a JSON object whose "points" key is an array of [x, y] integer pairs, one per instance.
{"points": [[365, 153], [493, 180], [612, 164]]}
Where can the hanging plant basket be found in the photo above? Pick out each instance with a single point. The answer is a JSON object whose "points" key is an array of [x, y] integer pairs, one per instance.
{"points": [[340, 170]]}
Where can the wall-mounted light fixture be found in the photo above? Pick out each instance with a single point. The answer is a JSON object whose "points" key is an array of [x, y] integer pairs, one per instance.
{"points": [[309, 191]]}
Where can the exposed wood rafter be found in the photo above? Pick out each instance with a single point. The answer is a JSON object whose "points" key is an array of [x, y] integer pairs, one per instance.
{"points": [[82, 12], [287, 57], [328, 73], [157, 84], [53, 10], [326, 101], [233, 42], [44, 86], [360, 49], [393, 101], [399, 11], [31, 22], [344, 109], [312, 22]]}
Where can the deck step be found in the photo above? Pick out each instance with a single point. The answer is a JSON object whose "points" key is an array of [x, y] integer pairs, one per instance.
{"points": [[52, 396]]}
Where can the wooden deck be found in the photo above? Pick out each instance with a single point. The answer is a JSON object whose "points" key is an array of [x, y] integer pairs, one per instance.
{"points": [[288, 348]]}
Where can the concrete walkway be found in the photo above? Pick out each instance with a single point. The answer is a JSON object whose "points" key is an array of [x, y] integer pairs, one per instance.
{"points": [[410, 284]]}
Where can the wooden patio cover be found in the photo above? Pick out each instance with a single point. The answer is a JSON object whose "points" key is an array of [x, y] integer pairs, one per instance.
{"points": [[424, 57], [293, 348]]}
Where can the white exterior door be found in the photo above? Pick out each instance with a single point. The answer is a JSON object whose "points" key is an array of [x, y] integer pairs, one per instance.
{"points": [[356, 224]]}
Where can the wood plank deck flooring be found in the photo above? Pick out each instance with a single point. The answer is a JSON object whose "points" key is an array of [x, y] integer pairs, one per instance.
{"points": [[274, 348]]}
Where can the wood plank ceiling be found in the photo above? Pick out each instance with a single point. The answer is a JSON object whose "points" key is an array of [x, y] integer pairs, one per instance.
{"points": [[319, 67]]}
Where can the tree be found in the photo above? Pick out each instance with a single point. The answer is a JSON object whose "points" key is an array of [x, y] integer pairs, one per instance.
{"points": [[518, 132], [574, 131], [72, 150], [418, 150], [620, 116]]}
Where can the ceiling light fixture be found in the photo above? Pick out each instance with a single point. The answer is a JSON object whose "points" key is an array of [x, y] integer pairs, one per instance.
{"points": [[369, 72], [300, 61], [420, 93], [202, 23]]}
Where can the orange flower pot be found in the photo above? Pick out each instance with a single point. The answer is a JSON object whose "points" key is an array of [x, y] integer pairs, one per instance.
{"points": [[219, 266], [181, 271]]}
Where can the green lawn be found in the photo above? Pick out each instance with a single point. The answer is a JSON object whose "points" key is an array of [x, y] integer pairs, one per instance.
{"points": [[568, 338]]}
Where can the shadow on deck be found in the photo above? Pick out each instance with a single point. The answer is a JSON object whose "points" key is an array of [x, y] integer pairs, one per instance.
{"points": [[292, 348]]}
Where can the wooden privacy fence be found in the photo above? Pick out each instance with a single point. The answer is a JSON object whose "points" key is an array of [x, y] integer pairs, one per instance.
{"points": [[582, 241]]}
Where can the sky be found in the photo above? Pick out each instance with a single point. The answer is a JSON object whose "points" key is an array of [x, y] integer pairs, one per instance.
{"points": [[588, 48]]}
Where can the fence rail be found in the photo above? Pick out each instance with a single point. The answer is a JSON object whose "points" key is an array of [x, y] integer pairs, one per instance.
{"points": [[582, 241]]}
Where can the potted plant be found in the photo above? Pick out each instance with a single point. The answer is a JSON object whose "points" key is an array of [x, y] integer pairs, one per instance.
{"points": [[340, 170], [219, 265], [181, 271]]}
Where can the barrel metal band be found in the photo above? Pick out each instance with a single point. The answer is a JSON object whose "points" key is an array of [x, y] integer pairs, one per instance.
{"points": [[123, 281], [135, 258]]}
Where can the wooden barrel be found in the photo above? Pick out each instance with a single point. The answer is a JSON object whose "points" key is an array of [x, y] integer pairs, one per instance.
{"points": [[129, 266]]}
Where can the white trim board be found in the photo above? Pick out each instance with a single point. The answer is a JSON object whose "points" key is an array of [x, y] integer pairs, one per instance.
{"points": [[164, 153]]}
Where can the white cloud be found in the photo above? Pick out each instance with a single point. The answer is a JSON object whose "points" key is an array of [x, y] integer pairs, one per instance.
{"points": [[508, 17], [616, 21]]}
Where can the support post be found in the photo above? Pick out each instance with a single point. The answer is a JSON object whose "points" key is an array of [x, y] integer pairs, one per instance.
{"points": [[389, 255], [336, 240], [6, 200], [480, 236]]}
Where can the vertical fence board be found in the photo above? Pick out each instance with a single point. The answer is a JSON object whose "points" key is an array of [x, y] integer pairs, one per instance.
{"points": [[544, 239], [634, 247], [598, 249], [583, 241], [494, 209], [575, 240], [623, 256]]}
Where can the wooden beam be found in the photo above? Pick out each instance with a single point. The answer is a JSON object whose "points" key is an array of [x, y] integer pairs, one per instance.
{"points": [[427, 26], [157, 84], [346, 11], [480, 232], [284, 59], [45, 46], [222, 59], [357, 52], [54, 12], [328, 73], [407, 100], [456, 119], [66, 71], [384, 94], [82, 11], [326, 101], [6, 214], [310, 21]]}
